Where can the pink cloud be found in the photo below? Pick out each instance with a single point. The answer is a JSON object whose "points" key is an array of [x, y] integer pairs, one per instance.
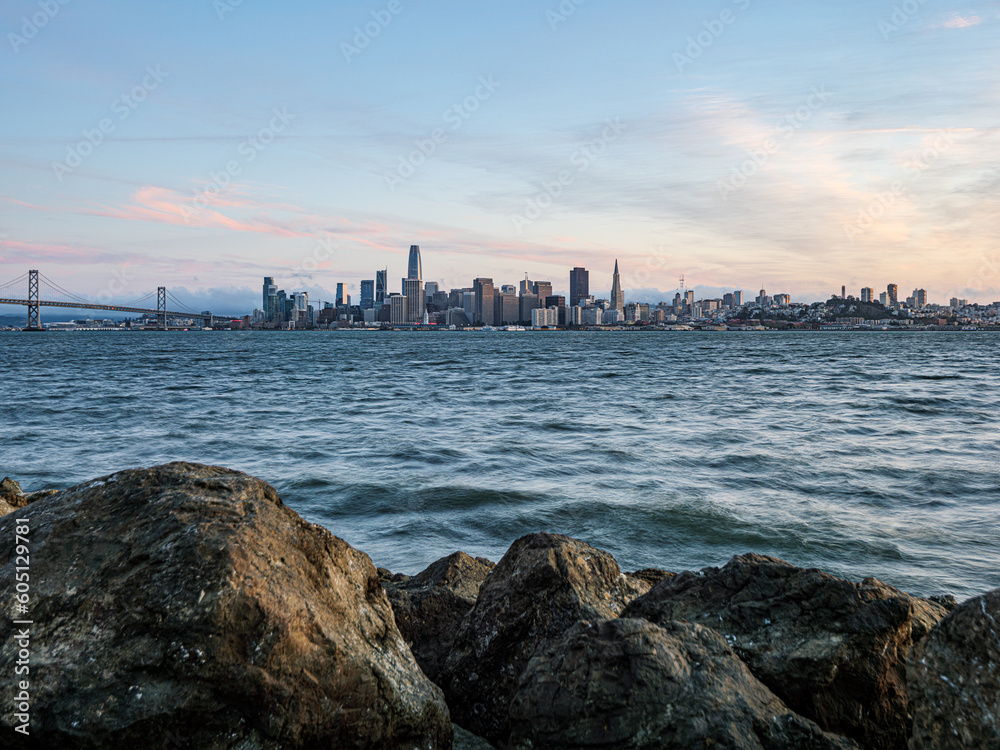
{"points": [[961, 22]]}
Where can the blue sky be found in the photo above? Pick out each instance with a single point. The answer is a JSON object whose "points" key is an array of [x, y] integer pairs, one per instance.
{"points": [[790, 145]]}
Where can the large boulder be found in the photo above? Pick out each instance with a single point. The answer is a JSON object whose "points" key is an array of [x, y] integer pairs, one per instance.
{"points": [[12, 497], [431, 605], [542, 587], [833, 650], [627, 683], [188, 601], [954, 678]]}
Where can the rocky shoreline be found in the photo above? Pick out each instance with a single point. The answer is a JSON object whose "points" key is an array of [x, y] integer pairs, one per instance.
{"points": [[187, 606]]}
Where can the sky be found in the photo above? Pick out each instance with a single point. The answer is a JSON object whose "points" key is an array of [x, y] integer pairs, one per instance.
{"points": [[205, 144]]}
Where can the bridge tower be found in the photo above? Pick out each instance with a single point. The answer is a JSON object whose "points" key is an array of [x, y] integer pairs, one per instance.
{"points": [[34, 323], [161, 308]]}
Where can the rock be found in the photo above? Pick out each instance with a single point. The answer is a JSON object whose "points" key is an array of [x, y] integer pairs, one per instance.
{"points": [[430, 606], [542, 586], [465, 740], [832, 650], [13, 498], [627, 683], [9, 487], [954, 679], [649, 576], [188, 601]]}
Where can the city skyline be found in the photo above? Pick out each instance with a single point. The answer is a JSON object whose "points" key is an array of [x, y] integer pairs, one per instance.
{"points": [[726, 144]]}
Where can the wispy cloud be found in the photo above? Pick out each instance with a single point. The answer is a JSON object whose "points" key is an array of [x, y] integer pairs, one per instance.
{"points": [[958, 21]]}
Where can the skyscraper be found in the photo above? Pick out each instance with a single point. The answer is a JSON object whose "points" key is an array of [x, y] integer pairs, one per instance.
{"points": [[867, 294], [414, 270], [738, 298], [484, 302], [893, 292], [340, 293], [413, 290], [397, 309], [381, 288], [579, 285], [367, 294], [270, 300], [543, 289], [617, 295]]}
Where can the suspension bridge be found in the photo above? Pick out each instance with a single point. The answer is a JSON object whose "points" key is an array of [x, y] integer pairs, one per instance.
{"points": [[38, 283]]}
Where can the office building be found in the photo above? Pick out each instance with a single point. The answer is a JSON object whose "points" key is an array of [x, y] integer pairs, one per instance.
{"points": [[398, 314], [270, 300], [544, 318], [367, 294], [543, 289], [469, 304], [527, 303], [579, 285], [414, 269], [617, 294], [884, 298], [893, 292], [381, 288], [340, 294], [738, 298], [484, 292], [867, 294], [505, 307], [919, 298], [414, 293], [527, 286], [430, 289]]}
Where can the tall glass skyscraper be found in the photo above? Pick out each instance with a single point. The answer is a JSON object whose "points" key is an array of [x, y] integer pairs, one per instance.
{"points": [[381, 288], [270, 307], [579, 285], [367, 294], [414, 270]]}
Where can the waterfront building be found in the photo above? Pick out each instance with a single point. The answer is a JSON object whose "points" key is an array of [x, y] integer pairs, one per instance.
{"points": [[543, 289], [592, 316], [559, 302], [505, 307], [893, 291], [413, 291], [574, 315], [398, 309], [579, 285], [527, 303], [543, 317], [617, 294], [612, 317], [469, 304], [270, 300], [367, 294], [867, 294], [381, 288], [414, 269], [484, 313], [456, 317]]}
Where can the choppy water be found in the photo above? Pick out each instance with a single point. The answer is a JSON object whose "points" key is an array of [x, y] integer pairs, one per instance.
{"points": [[859, 453]]}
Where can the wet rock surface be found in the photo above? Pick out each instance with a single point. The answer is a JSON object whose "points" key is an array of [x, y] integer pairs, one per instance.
{"points": [[627, 683], [835, 651], [431, 605], [188, 601], [543, 586], [954, 678]]}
